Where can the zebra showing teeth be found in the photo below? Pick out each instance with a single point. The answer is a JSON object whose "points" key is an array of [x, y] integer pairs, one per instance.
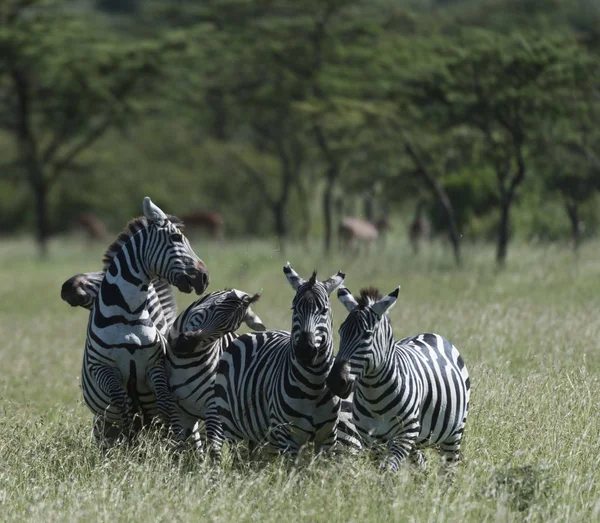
{"points": [[123, 371]]}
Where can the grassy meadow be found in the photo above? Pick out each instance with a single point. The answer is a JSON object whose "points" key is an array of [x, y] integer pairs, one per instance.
{"points": [[529, 335]]}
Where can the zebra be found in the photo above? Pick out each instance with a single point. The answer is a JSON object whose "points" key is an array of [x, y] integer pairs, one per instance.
{"points": [[196, 341], [270, 386], [123, 369], [82, 289], [410, 393]]}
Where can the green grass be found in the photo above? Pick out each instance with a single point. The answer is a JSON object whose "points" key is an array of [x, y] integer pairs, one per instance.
{"points": [[529, 335]]}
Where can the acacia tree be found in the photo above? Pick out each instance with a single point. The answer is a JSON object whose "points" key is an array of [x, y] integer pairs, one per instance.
{"points": [[63, 89], [504, 88], [268, 61]]}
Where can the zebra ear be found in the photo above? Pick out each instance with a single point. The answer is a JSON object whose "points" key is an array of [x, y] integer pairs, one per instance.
{"points": [[334, 282], [345, 296], [386, 303], [292, 276], [153, 213], [253, 321]]}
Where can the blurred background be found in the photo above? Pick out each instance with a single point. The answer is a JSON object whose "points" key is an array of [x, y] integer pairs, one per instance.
{"points": [[327, 123]]}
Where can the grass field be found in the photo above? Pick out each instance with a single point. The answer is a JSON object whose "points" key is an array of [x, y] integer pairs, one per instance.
{"points": [[529, 335]]}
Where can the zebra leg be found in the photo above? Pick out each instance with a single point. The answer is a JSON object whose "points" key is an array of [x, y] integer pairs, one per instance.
{"points": [[450, 448], [106, 434], [281, 439], [418, 458], [398, 450], [188, 425], [214, 430], [107, 429], [156, 378]]}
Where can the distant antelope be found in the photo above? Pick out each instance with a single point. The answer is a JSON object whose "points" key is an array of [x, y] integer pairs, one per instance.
{"points": [[211, 222], [92, 226], [354, 230], [419, 228]]}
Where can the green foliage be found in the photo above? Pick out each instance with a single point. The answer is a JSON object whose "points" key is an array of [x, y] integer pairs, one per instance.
{"points": [[250, 106]]}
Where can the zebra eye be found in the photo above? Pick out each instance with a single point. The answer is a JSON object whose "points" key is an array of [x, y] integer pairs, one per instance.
{"points": [[366, 335], [177, 238]]}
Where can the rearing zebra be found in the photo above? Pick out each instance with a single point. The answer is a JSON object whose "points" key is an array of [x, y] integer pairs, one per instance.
{"points": [[409, 393], [123, 364], [197, 339], [270, 386]]}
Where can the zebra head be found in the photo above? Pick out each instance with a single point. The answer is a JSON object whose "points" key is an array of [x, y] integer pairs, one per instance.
{"points": [[213, 316], [311, 316], [168, 255], [365, 338]]}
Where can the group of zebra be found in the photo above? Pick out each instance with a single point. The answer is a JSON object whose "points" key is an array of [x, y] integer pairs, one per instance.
{"points": [[143, 364]]}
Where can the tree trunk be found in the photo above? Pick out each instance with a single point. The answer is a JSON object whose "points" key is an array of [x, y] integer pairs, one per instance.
{"points": [[369, 206], [503, 230], [327, 214], [41, 217], [444, 202], [573, 213], [442, 198], [28, 152], [280, 223], [305, 212]]}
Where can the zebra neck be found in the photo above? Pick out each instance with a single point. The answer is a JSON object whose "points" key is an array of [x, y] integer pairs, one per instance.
{"points": [[204, 351], [387, 374], [125, 286], [315, 374]]}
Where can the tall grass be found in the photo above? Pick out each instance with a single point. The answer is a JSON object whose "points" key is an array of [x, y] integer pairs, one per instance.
{"points": [[528, 333]]}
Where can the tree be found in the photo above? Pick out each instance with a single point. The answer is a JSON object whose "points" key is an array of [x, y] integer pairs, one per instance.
{"points": [[504, 88], [63, 90]]}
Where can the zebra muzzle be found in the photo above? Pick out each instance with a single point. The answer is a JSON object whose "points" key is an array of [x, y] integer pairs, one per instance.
{"points": [[187, 342], [306, 349], [339, 380]]}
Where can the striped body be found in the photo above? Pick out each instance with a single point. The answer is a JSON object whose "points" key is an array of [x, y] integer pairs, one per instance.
{"points": [[270, 386], [410, 393], [425, 385], [123, 370], [82, 290], [197, 339], [264, 395]]}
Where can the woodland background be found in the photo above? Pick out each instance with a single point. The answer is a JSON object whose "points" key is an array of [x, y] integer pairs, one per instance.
{"points": [[286, 115]]}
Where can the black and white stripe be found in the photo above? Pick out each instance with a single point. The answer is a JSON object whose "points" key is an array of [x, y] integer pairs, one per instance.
{"points": [[123, 369], [197, 339], [410, 393], [270, 386], [82, 289]]}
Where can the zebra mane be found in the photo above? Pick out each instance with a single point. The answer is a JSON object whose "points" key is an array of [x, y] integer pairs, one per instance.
{"points": [[253, 298], [166, 299], [164, 292], [313, 278], [132, 228], [368, 296]]}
